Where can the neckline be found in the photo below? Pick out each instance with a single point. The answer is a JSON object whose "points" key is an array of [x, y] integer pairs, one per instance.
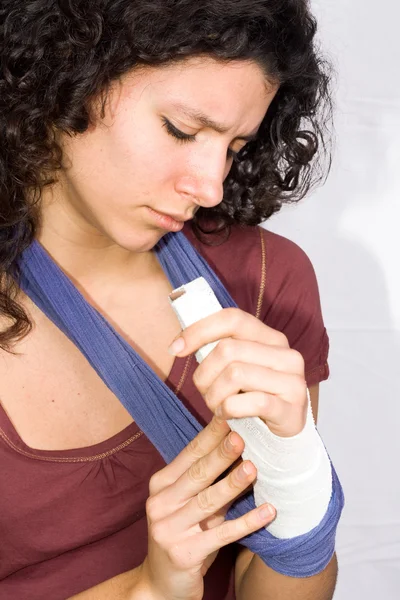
{"points": [[37, 253], [91, 453]]}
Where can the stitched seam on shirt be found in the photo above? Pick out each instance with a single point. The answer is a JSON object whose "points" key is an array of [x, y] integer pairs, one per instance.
{"points": [[184, 374], [65, 459], [263, 275], [320, 368]]}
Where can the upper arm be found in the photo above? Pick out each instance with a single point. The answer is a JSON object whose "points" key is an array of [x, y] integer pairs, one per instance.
{"points": [[314, 397], [291, 304], [260, 581]]}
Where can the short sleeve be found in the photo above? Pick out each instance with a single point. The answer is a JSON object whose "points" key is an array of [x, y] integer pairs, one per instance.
{"points": [[291, 303]]}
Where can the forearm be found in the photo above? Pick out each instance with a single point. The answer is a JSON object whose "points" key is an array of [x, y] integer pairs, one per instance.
{"points": [[127, 586], [261, 582]]}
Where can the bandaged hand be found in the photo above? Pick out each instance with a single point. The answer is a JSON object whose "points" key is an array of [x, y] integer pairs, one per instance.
{"points": [[252, 372]]}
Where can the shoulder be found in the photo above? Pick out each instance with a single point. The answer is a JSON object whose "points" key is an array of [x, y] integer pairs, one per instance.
{"points": [[291, 304], [253, 260], [237, 260], [290, 275], [273, 278], [285, 256], [245, 241]]}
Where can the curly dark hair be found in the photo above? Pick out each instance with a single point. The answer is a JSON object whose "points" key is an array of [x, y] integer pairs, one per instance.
{"points": [[58, 56]]}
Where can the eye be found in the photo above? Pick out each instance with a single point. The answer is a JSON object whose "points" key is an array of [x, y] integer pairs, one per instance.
{"points": [[182, 137], [177, 133]]}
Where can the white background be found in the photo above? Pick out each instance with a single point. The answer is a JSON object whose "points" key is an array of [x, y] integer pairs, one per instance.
{"points": [[350, 230]]}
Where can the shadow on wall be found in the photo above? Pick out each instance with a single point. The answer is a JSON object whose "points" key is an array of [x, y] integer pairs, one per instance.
{"points": [[348, 231]]}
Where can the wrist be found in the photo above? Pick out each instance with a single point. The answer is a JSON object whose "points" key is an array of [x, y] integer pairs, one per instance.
{"points": [[143, 587]]}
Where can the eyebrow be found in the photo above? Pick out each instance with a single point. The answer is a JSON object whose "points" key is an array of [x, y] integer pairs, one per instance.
{"points": [[206, 121]]}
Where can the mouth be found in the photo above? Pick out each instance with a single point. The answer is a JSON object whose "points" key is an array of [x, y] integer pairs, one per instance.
{"points": [[166, 221]]}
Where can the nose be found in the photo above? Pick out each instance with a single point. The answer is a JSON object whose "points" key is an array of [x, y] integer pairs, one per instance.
{"points": [[203, 179]]}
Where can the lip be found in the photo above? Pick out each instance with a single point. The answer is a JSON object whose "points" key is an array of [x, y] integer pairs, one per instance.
{"points": [[167, 222]]}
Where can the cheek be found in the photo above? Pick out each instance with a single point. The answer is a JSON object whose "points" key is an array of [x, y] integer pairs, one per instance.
{"points": [[121, 165], [147, 158]]}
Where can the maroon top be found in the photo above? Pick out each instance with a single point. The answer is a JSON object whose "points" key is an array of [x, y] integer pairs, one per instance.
{"points": [[71, 519]]}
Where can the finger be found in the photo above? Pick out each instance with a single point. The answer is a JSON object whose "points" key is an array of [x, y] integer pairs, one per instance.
{"points": [[228, 532], [214, 520], [230, 350], [205, 442], [229, 322], [214, 498], [219, 516], [282, 418], [242, 377], [200, 475]]}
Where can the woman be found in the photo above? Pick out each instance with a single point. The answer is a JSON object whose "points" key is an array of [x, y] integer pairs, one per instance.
{"points": [[121, 122]]}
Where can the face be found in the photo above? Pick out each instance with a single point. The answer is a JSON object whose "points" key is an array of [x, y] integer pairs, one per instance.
{"points": [[162, 150]]}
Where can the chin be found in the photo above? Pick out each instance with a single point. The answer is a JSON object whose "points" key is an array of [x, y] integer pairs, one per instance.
{"points": [[138, 241]]}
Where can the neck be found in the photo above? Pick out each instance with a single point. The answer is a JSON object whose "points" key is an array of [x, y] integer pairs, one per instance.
{"points": [[84, 253]]}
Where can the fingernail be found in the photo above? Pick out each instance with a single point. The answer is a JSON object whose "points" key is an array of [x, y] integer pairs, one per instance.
{"points": [[266, 512], [244, 472], [177, 346], [218, 411], [228, 444]]}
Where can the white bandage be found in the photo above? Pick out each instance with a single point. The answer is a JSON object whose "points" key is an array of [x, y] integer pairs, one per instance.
{"points": [[293, 473]]}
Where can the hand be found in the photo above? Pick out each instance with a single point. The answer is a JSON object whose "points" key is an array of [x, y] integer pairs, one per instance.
{"points": [[186, 511], [251, 372]]}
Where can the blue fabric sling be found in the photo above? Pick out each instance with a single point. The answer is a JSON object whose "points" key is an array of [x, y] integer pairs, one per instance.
{"points": [[154, 407]]}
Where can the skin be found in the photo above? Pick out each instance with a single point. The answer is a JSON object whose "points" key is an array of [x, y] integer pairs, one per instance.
{"points": [[128, 161], [96, 224]]}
